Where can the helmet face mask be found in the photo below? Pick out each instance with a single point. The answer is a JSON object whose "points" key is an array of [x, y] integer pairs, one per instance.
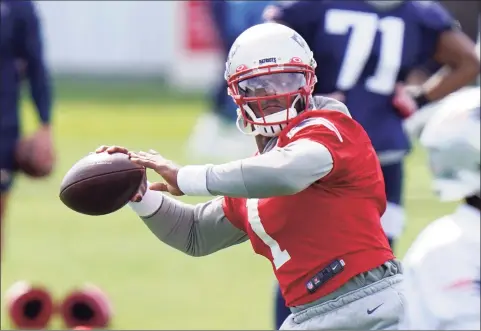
{"points": [[270, 75], [267, 102]]}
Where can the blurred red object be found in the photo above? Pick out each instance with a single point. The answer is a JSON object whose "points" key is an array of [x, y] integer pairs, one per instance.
{"points": [[87, 307], [29, 307], [200, 33]]}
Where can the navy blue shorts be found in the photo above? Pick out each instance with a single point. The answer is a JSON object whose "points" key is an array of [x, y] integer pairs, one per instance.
{"points": [[393, 179], [281, 311], [7, 162]]}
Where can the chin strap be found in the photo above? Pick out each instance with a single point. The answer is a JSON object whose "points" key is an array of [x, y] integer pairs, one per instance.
{"points": [[265, 130], [241, 125]]}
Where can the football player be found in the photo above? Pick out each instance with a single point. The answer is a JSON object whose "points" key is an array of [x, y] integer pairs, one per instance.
{"points": [[310, 201], [366, 51], [21, 55], [442, 267], [215, 135]]}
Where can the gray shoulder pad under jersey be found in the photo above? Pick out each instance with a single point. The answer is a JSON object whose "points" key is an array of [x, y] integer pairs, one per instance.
{"points": [[196, 230], [321, 102]]}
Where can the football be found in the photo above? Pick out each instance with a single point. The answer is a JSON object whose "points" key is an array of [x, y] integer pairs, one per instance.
{"points": [[101, 183]]}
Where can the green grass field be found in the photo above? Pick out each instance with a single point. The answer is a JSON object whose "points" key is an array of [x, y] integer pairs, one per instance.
{"points": [[151, 285]]}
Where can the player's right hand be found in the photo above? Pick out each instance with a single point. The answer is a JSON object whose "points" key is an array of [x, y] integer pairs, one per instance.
{"points": [[118, 149]]}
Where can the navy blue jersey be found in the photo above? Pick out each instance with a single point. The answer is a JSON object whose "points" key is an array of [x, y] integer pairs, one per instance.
{"points": [[231, 18], [21, 41], [364, 52]]}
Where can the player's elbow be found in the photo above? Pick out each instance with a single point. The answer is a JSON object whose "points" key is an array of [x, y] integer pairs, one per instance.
{"points": [[456, 50], [190, 250], [474, 63], [195, 250], [470, 68], [196, 253], [470, 63], [197, 247]]}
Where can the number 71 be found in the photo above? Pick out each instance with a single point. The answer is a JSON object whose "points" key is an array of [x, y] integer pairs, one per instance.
{"points": [[364, 27]]}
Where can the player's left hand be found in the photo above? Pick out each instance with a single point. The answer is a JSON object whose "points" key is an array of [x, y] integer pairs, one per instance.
{"points": [[36, 153], [43, 148], [403, 101], [166, 168]]}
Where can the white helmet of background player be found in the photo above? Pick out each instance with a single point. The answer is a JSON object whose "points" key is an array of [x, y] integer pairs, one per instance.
{"points": [[270, 75], [385, 4], [452, 138]]}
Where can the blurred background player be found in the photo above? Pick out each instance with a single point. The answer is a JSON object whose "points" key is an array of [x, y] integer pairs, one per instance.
{"points": [[21, 55], [217, 127], [365, 52], [442, 267], [468, 15]]}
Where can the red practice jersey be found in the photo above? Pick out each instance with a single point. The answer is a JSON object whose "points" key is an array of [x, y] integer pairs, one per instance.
{"points": [[338, 217]]}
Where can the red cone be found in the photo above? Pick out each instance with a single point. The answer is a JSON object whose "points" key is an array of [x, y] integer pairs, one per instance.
{"points": [[87, 307], [29, 307]]}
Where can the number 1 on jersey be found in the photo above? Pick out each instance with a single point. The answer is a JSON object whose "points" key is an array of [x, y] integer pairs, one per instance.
{"points": [[279, 256]]}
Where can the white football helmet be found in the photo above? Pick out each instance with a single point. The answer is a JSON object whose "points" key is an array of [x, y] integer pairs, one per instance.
{"points": [[385, 4], [452, 138], [270, 75]]}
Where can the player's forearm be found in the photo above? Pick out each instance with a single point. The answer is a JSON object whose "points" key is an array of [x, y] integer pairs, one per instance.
{"points": [[33, 54], [281, 171], [458, 72], [195, 230], [40, 89], [417, 77], [450, 80]]}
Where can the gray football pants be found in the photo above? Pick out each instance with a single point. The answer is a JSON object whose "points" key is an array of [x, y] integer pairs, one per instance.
{"points": [[377, 306]]}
